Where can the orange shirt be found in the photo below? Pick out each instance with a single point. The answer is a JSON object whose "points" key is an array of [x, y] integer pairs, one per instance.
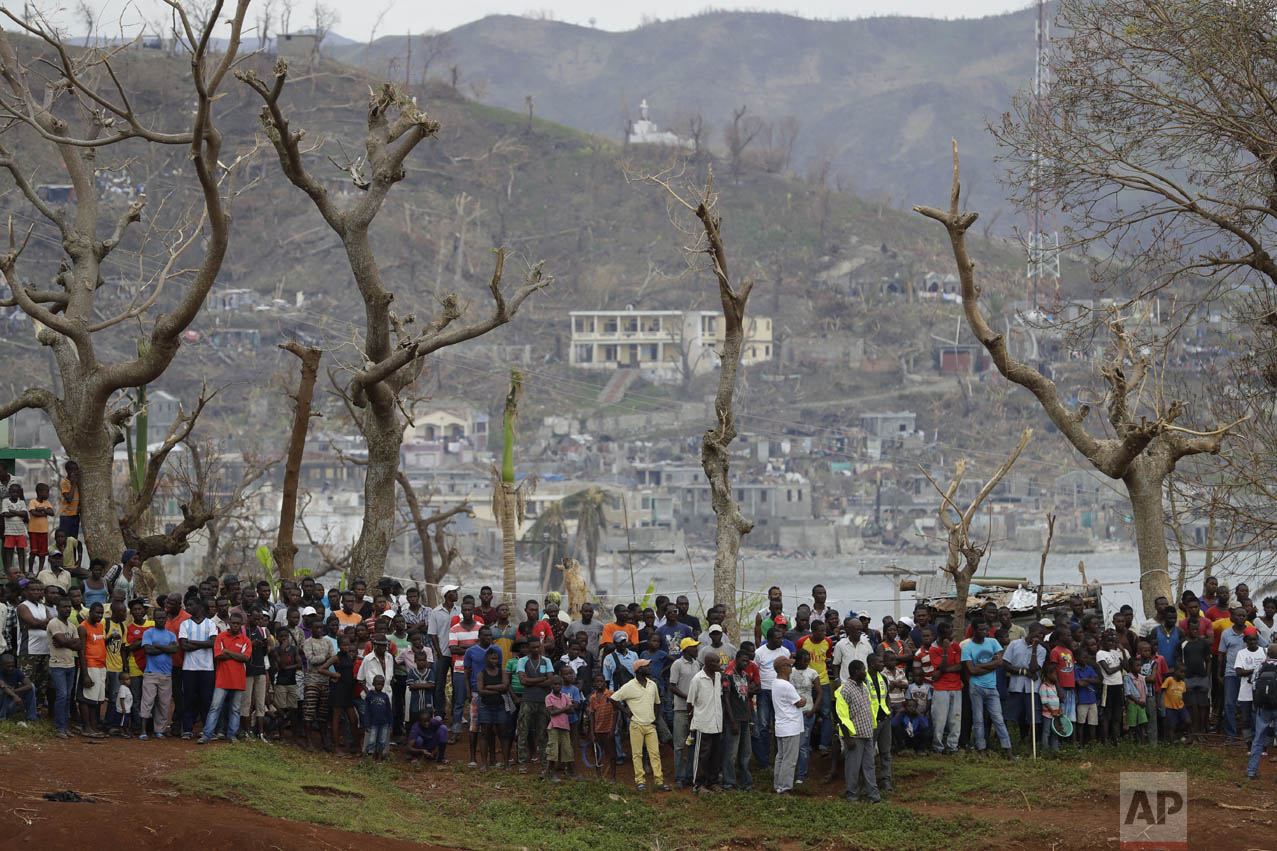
{"points": [[348, 620], [94, 644], [39, 524], [70, 498], [611, 629]]}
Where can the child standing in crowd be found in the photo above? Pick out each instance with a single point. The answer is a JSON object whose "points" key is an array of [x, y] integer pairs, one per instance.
{"points": [[1087, 680], [1173, 689], [120, 717], [558, 747], [1136, 702], [13, 511], [920, 690], [39, 510], [602, 718], [1049, 697], [379, 711]]}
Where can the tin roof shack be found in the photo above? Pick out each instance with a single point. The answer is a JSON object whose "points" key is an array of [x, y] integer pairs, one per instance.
{"points": [[1020, 595]]}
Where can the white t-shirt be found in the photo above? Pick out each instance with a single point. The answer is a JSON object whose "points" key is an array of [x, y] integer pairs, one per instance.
{"points": [[34, 642], [845, 653], [14, 525], [1114, 659], [1250, 660], [198, 660], [789, 718], [124, 702], [804, 682], [765, 658]]}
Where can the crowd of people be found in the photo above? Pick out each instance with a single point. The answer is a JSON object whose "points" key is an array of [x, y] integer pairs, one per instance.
{"points": [[366, 671]]}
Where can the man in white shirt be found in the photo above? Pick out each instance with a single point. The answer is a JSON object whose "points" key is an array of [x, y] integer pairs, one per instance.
{"points": [[788, 707], [437, 633], [1248, 662], [378, 662], [705, 720], [765, 658], [196, 636], [854, 646]]}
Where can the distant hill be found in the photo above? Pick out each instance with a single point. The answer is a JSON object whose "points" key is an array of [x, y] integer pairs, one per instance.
{"points": [[881, 95]]}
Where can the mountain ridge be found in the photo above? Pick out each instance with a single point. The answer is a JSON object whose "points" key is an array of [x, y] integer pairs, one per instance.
{"points": [[879, 97]]}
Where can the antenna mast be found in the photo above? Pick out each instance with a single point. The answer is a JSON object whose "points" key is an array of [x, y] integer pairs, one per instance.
{"points": [[1044, 237]]}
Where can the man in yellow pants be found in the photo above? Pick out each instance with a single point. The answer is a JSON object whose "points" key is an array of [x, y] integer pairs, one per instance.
{"points": [[638, 700]]}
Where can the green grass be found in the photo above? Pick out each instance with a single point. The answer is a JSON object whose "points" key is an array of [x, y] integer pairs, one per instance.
{"points": [[14, 737], [1067, 777], [505, 811]]}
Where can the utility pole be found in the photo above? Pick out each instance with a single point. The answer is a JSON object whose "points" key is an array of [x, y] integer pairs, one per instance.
{"points": [[1044, 236]]}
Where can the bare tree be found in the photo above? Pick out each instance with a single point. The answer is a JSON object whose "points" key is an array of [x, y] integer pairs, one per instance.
{"points": [[716, 442], [286, 15], [1143, 451], [285, 550], [432, 531], [393, 353], [265, 18], [778, 144], [79, 122], [739, 135], [435, 47], [963, 555], [326, 17]]}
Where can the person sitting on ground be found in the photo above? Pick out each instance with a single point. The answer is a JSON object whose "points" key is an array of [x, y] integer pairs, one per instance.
{"points": [[16, 690], [911, 727], [428, 739]]}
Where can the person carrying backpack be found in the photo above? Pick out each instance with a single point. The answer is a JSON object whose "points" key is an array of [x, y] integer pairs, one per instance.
{"points": [[1264, 695]]}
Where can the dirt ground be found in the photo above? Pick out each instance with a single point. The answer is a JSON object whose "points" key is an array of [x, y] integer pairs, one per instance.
{"points": [[126, 779]]}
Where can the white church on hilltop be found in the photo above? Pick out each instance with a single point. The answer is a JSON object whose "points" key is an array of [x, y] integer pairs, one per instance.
{"points": [[645, 132]]}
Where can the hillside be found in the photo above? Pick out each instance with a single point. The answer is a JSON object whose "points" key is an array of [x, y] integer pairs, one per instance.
{"points": [[546, 192], [882, 96]]}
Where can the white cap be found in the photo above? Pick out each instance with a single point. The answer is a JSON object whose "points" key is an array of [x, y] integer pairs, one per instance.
{"points": [[444, 589], [714, 628], [309, 610]]}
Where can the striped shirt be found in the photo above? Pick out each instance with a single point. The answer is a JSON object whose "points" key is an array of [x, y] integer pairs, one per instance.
{"points": [[465, 637]]}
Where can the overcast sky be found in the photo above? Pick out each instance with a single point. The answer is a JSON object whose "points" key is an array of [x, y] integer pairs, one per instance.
{"points": [[357, 17]]}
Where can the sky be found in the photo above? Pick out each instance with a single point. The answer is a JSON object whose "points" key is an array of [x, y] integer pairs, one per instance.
{"points": [[357, 18]]}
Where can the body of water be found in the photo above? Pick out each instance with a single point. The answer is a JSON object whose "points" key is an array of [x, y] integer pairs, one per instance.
{"points": [[1117, 571]]}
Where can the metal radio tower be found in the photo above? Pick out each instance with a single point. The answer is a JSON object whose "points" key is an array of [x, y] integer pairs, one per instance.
{"points": [[1044, 236]]}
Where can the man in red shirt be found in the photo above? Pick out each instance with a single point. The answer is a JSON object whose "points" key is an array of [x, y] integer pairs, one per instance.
{"points": [[231, 650], [946, 697]]}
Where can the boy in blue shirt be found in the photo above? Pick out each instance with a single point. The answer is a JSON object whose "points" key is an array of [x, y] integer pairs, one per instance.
{"points": [[380, 714]]}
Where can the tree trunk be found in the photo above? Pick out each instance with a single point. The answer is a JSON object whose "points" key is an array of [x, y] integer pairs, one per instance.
{"points": [[285, 549], [99, 527], [384, 434], [1144, 488], [509, 534], [962, 584]]}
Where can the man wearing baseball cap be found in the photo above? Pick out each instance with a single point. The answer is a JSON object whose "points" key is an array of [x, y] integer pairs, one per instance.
{"points": [[1248, 661], [681, 674], [637, 701], [1232, 641], [437, 633]]}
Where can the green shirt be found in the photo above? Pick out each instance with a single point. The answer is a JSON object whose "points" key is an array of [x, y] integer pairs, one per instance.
{"points": [[512, 665]]}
